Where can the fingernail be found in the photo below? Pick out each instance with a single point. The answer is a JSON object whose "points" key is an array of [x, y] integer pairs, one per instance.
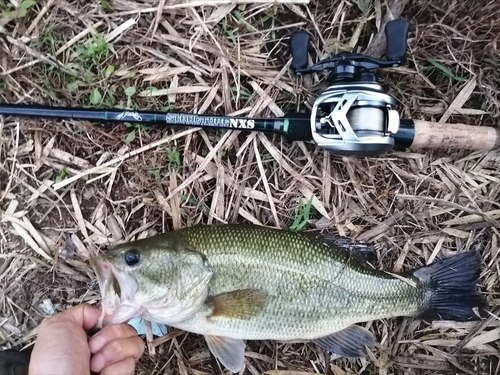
{"points": [[97, 363]]}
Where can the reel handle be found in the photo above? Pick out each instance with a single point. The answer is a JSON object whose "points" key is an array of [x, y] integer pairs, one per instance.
{"points": [[396, 33], [299, 49], [419, 134]]}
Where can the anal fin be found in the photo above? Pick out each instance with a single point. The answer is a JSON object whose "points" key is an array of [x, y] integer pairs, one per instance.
{"points": [[230, 352], [351, 342]]}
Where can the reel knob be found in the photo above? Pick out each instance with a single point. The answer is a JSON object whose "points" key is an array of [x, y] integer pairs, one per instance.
{"points": [[299, 48], [396, 33]]}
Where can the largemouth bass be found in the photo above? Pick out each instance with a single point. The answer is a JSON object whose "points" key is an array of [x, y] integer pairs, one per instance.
{"points": [[231, 283]]}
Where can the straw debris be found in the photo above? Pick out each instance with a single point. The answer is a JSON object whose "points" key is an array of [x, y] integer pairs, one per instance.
{"points": [[69, 188]]}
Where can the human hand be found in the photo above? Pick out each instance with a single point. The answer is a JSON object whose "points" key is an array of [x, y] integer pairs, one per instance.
{"points": [[63, 347]]}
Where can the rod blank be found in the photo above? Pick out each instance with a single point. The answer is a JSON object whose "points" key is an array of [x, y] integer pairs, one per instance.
{"points": [[413, 134]]}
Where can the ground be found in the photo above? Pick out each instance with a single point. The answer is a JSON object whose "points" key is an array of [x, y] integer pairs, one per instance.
{"points": [[69, 189]]}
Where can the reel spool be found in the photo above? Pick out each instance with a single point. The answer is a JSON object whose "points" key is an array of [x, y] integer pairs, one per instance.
{"points": [[353, 116]]}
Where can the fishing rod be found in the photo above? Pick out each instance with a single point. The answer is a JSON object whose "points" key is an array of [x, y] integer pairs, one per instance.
{"points": [[352, 116]]}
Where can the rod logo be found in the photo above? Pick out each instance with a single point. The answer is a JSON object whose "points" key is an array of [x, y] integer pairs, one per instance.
{"points": [[242, 123], [195, 120], [125, 114]]}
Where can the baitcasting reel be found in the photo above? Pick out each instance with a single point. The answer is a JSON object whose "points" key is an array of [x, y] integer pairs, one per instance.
{"points": [[353, 115]]}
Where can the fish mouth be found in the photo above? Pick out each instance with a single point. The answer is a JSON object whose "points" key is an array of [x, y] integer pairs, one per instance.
{"points": [[108, 285], [105, 276], [117, 291]]}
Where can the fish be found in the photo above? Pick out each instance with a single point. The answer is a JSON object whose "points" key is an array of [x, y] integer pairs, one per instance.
{"points": [[237, 282]]}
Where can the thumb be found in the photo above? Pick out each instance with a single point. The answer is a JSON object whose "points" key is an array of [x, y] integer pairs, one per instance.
{"points": [[84, 315]]}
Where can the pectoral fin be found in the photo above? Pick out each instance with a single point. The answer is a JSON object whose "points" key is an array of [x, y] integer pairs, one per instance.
{"points": [[351, 342], [230, 352], [238, 304]]}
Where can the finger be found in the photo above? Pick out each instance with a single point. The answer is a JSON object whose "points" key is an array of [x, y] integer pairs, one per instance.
{"points": [[63, 336], [111, 333], [84, 315], [125, 367], [117, 351]]}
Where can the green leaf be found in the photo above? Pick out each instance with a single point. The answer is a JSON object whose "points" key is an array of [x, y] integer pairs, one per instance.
{"points": [[21, 11], [110, 69], [244, 94], [446, 70], [154, 172], [61, 176], [174, 158], [302, 217], [150, 90], [73, 86], [241, 20], [95, 97], [93, 50], [26, 4], [107, 6], [18, 13], [130, 136], [239, 16], [129, 91], [265, 18], [364, 6], [168, 108], [189, 200]]}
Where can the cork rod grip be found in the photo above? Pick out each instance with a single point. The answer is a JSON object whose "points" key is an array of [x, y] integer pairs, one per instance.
{"points": [[454, 136]]}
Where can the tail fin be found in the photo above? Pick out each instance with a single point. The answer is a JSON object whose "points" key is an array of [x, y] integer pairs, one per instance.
{"points": [[450, 288]]}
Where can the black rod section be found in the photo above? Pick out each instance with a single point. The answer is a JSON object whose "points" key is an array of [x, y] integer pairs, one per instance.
{"points": [[143, 117], [294, 126], [405, 134]]}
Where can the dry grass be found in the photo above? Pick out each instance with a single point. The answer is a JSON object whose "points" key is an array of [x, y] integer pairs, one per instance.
{"points": [[69, 188]]}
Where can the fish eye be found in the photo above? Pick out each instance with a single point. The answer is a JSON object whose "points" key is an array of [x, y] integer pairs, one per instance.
{"points": [[132, 257]]}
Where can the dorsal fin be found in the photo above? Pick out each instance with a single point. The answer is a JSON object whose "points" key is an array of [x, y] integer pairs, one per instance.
{"points": [[359, 251]]}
